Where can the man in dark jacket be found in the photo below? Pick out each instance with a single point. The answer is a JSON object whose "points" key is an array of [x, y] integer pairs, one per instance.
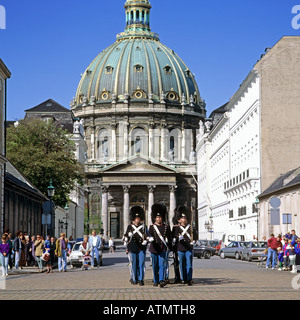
{"points": [[17, 249], [135, 237], [160, 242], [182, 234]]}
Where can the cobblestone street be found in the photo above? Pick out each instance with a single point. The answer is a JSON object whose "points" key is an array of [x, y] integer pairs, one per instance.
{"points": [[214, 279]]}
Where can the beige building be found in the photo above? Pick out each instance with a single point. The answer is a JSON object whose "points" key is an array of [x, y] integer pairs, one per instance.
{"points": [[280, 104], [4, 75], [286, 188]]}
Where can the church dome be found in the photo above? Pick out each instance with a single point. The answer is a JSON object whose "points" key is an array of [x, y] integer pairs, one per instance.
{"points": [[138, 67]]}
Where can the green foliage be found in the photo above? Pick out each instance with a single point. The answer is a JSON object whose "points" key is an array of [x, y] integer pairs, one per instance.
{"points": [[43, 151]]}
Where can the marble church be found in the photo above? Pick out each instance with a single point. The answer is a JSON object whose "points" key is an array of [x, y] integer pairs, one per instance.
{"points": [[140, 106]]}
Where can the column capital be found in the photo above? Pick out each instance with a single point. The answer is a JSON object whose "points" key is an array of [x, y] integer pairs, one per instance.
{"points": [[104, 189], [151, 188], [126, 189], [172, 188]]}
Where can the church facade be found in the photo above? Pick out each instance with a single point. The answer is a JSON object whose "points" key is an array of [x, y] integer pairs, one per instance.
{"points": [[141, 107]]}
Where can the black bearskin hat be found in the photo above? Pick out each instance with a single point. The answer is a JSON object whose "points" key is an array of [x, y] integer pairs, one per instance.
{"points": [[158, 210], [137, 211], [175, 217], [183, 211]]}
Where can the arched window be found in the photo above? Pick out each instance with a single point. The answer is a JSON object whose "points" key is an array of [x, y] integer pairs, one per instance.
{"points": [[103, 145], [139, 142]]}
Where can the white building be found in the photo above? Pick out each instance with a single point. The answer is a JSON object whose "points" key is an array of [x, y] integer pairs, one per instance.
{"points": [[247, 143], [229, 166]]}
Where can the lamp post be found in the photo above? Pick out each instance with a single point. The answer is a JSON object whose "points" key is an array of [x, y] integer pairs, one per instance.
{"points": [[50, 192], [67, 211]]}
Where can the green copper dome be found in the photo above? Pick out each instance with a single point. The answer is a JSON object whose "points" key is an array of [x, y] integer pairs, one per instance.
{"points": [[138, 66]]}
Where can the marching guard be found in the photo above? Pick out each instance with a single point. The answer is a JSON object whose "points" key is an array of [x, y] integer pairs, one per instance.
{"points": [[160, 239], [135, 237], [182, 235]]}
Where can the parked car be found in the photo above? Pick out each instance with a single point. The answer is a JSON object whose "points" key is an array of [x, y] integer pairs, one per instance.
{"points": [[210, 243], [202, 251], [254, 250], [227, 238], [233, 250], [75, 257]]}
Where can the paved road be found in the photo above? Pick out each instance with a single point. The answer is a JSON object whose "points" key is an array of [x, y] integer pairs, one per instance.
{"points": [[214, 279]]}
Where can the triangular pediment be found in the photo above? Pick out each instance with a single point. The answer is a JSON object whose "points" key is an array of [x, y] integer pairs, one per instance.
{"points": [[139, 164]]}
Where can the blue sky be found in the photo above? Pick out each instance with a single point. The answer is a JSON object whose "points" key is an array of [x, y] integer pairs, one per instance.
{"points": [[48, 44]]}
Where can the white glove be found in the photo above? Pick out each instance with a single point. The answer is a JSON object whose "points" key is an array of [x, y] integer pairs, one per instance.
{"points": [[180, 238], [125, 239], [130, 234], [193, 243], [174, 241], [151, 239], [144, 243]]}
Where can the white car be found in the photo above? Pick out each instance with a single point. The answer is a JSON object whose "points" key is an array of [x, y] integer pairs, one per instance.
{"points": [[76, 256]]}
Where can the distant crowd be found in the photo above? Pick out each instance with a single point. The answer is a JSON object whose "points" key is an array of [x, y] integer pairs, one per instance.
{"points": [[33, 250], [283, 252], [36, 251]]}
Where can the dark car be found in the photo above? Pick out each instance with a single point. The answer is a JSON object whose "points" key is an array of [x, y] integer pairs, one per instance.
{"points": [[203, 251]]}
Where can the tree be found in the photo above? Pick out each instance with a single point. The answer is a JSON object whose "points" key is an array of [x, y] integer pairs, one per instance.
{"points": [[43, 151]]}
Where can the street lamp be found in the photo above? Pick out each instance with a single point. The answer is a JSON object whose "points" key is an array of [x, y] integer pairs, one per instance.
{"points": [[50, 192], [67, 211]]}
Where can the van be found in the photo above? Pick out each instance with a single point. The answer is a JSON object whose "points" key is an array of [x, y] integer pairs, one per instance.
{"points": [[227, 238]]}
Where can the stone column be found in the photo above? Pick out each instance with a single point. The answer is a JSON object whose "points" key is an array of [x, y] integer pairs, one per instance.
{"points": [[125, 128], [92, 143], [183, 157], [163, 143], [151, 141], [150, 203], [126, 208], [172, 203], [113, 143], [104, 216]]}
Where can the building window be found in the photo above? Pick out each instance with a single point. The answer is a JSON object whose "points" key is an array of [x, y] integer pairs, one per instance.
{"points": [[286, 218], [230, 214], [168, 70], [138, 145], [109, 70], [138, 68]]}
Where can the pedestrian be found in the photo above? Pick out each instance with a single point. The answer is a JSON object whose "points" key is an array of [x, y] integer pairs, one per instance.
{"points": [[46, 254], [292, 256], [111, 245], [11, 248], [183, 236], [33, 250], [86, 248], [297, 252], [39, 246], [28, 255], [4, 250], [52, 246], [61, 249], [96, 242], [286, 260], [17, 249], [22, 261], [135, 237], [294, 237], [273, 244], [174, 249], [70, 244], [160, 239]]}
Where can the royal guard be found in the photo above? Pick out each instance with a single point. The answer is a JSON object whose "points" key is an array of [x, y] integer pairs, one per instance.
{"points": [[175, 222], [160, 239], [182, 235], [135, 238]]}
